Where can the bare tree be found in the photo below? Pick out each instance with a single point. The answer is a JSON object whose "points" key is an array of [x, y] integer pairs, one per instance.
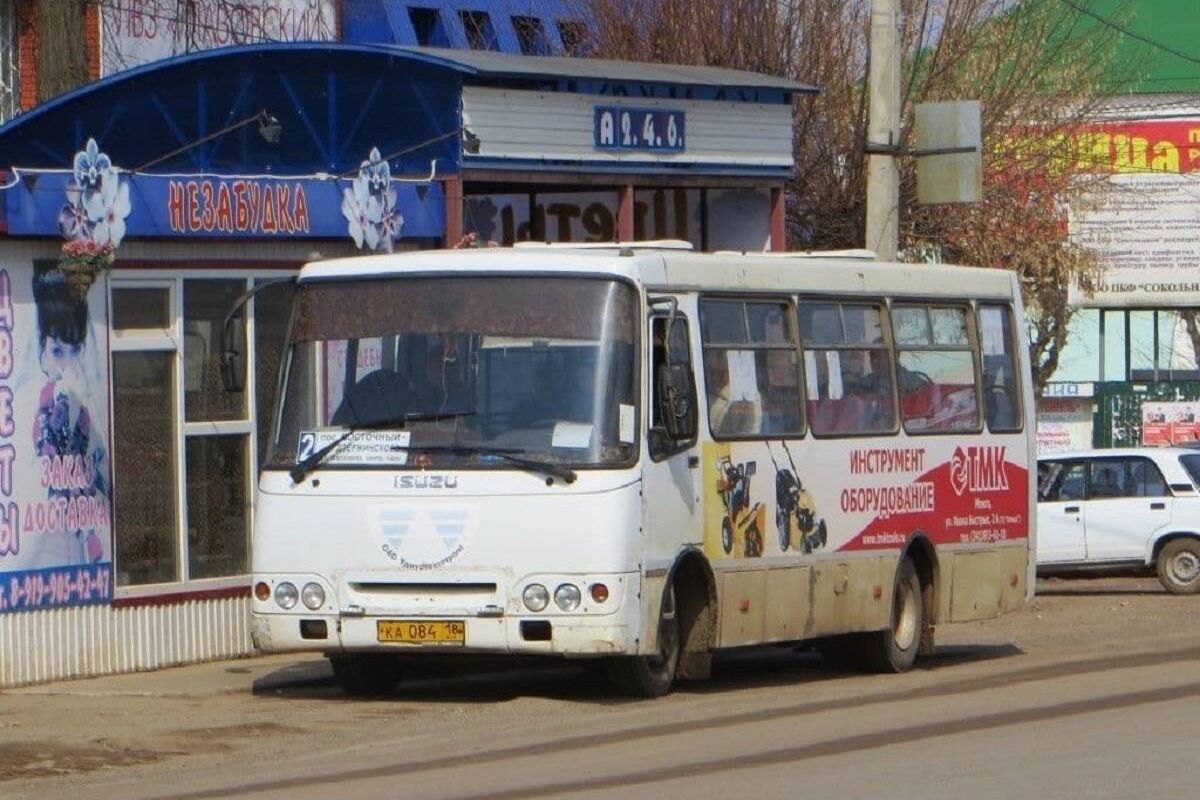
{"points": [[61, 56], [1037, 68]]}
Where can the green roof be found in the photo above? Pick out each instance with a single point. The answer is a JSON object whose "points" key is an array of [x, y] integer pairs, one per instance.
{"points": [[1159, 50]]}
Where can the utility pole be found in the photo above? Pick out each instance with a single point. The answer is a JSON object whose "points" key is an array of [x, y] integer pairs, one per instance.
{"points": [[883, 132]]}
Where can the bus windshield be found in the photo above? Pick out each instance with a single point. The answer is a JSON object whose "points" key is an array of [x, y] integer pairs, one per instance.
{"points": [[466, 367]]}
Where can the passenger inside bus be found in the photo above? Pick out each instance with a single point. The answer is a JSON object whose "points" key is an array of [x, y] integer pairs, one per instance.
{"points": [[850, 391], [728, 416]]}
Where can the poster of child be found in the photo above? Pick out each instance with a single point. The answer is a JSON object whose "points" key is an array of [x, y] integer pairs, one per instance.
{"points": [[67, 440]]}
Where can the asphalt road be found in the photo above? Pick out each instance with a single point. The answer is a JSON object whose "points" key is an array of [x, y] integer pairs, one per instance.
{"points": [[1093, 691]]}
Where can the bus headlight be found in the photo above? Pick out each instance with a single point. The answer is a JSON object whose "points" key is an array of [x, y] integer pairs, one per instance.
{"points": [[536, 597], [286, 595], [567, 597], [312, 595]]}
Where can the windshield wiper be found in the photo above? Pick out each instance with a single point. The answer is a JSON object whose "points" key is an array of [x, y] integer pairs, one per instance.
{"points": [[301, 468], [510, 455]]}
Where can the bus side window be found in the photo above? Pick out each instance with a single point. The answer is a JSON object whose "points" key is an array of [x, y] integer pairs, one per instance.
{"points": [[672, 388], [751, 370], [1001, 393], [851, 388], [936, 357]]}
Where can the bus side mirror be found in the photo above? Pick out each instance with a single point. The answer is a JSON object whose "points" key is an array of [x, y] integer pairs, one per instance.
{"points": [[232, 364], [658, 441], [677, 391], [233, 370]]}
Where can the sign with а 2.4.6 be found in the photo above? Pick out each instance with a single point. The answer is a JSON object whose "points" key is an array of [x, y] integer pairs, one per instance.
{"points": [[625, 128]]}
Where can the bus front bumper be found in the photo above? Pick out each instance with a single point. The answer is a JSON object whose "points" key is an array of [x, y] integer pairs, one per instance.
{"points": [[562, 635]]}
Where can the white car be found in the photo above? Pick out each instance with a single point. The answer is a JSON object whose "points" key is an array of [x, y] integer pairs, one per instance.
{"points": [[1117, 508]]}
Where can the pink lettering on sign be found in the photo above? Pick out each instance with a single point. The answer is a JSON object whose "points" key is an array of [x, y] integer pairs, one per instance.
{"points": [[10, 528], [175, 206], [239, 206], [10, 531], [6, 306]]}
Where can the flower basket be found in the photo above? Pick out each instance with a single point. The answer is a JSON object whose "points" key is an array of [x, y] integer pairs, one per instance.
{"points": [[81, 262]]}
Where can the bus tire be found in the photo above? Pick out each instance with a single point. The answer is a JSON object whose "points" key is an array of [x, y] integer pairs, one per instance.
{"points": [[364, 674], [652, 676], [894, 649], [1178, 566]]}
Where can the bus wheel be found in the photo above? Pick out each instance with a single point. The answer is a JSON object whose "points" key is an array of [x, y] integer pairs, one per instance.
{"points": [[726, 535], [652, 676], [1179, 566], [894, 649], [364, 675]]}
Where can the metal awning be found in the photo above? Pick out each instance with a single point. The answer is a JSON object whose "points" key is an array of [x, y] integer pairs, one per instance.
{"points": [[491, 64]]}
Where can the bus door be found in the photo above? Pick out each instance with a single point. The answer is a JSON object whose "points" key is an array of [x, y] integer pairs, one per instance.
{"points": [[671, 488]]}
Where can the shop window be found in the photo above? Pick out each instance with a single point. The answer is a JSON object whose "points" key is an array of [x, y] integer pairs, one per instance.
{"points": [[1079, 359], [751, 368], [183, 490], [851, 389], [531, 36], [938, 392], [218, 506], [477, 25], [574, 38], [136, 308], [1143, 341], [428, 27], [205, 303], [144, 467], [1116, 346]]}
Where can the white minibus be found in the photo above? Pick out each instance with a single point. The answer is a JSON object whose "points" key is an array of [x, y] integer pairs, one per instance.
{"points": [[638, 456]]}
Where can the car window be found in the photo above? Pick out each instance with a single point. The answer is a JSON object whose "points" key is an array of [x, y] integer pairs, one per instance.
{"points": [[1107, 479], [1191, 463], [1147, 480], [1125, 477], [1061, 481]]}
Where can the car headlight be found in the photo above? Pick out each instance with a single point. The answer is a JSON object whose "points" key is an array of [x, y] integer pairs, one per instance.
{"points": [[286, 595], [536, 597], [567, 597], [312, 595]]}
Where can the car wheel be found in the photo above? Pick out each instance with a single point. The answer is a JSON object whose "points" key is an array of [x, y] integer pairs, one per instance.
{"points": [[726, 535], [1179, 566]]}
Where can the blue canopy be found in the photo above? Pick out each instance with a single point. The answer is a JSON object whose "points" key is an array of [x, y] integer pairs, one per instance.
{"points": [[333, 103]]}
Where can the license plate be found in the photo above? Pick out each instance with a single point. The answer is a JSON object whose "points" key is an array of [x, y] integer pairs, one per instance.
{"points": [[422, 631]]}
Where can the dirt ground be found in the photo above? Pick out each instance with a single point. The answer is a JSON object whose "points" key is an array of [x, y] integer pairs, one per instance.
{"points": [[247, 707]]}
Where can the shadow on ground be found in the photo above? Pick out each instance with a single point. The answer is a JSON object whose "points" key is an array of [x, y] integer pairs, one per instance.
{"points": [[490, 680]]}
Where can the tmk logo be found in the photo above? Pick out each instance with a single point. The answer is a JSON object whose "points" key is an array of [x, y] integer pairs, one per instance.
{"points": [[426, 481], [978, 469]]}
